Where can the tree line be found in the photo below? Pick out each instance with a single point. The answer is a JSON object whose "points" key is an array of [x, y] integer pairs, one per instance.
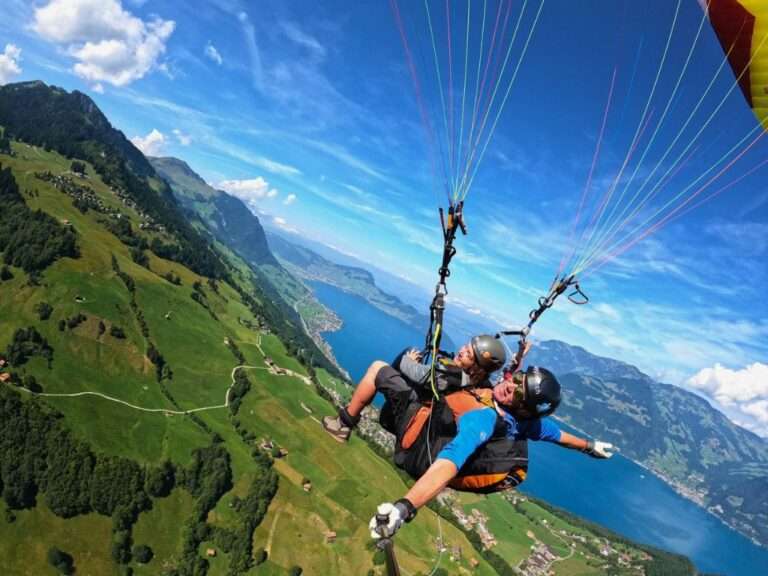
{"points": [[30, 239], [43, 460]]}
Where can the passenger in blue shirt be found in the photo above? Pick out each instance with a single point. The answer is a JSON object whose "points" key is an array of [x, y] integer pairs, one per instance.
{"points": [[522, 400]]}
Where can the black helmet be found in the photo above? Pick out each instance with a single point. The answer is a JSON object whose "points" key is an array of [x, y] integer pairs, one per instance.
{"points": [[542, 392], [489, 351]]}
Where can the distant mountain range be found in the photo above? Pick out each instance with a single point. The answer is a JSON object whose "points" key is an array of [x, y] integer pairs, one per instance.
{"points": [[673, 432], [307, 264], [226, 215]]}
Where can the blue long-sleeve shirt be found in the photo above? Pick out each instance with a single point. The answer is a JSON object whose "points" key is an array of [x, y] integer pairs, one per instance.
{"points": [[476, 427]]}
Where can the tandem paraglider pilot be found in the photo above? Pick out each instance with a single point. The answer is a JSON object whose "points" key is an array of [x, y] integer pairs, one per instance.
{"points": [[453, 427]]}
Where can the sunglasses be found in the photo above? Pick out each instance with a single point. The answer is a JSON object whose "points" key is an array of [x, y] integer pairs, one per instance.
{"points": [[519, 394]]}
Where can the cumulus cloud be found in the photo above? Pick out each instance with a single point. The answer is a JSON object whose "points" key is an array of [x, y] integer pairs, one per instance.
{"points": [[290, 199], [152, 144], [109, 43], [213, 54], [251, 190], [9, 63], [184, 139], [731, 386], [742, 393]]}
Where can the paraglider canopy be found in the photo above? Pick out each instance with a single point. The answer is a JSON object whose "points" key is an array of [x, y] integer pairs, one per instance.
{"points": [[742, 29]]}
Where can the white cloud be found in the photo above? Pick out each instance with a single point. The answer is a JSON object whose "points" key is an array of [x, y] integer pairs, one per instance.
{"points": [[213, 54], [742, 394], [276, 167], [759, 410], [184, 139], [290, 199], [109, 43], [250, 190], [9, 63], [732, 386], [301, 38], [282, 223], [152, 144]]}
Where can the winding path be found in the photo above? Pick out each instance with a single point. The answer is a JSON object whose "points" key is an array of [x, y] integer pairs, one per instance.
{"points": [[168, 411], [162, 410]]}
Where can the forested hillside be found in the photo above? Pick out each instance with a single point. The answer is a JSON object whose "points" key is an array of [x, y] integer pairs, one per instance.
{"points": [[234, 225]]}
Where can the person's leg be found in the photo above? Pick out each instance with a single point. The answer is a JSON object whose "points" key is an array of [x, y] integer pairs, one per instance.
{"points": [[365, 390], [340, 427]]}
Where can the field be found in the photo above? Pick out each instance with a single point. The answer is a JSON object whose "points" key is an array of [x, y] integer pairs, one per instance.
{"points": [[24, 544]]}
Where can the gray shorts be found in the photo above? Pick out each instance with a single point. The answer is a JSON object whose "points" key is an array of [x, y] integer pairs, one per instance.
{"points": [[402, 400]]}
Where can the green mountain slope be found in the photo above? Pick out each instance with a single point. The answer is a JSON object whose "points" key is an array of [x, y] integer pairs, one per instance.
{"points": [[192, 340], [230, 220], [139, 404], [675, 433], [225, 215], [71, 123]]}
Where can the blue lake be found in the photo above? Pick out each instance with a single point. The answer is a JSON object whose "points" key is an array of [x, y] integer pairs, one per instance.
{"points": [[616, 493]]}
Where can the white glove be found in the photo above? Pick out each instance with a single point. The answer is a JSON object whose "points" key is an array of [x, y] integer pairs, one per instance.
{"points": [[598, 449], [390, 517]]}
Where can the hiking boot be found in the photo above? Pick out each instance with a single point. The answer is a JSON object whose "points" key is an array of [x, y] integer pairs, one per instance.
{"points": [[336, 428]]}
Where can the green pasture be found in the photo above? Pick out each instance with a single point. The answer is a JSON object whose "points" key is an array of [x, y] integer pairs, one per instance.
{"points": [[330, 382], [24, 544], [274, 348], [161, 529]]}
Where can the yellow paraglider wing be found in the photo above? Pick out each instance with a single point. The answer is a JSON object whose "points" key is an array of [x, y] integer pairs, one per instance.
{"points": [[742, 28]]}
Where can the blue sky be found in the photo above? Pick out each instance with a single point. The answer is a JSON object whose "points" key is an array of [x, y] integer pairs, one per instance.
{"points": [[307, 111]]}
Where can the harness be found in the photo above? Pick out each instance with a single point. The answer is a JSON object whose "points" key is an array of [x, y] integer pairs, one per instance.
{"points": [[499, 464]]}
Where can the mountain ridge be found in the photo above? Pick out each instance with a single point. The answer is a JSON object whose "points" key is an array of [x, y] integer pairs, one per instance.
{"points": [[673, 432], [237, 227]]}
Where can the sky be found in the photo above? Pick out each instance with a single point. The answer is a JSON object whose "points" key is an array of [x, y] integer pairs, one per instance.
{"points": [[308, 111]]}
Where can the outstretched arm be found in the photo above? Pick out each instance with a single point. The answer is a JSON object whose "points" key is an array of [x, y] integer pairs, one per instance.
{"points": [[594, 448]]}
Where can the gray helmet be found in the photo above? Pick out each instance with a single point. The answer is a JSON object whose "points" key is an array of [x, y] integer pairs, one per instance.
{"points": [[489, 351]]}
